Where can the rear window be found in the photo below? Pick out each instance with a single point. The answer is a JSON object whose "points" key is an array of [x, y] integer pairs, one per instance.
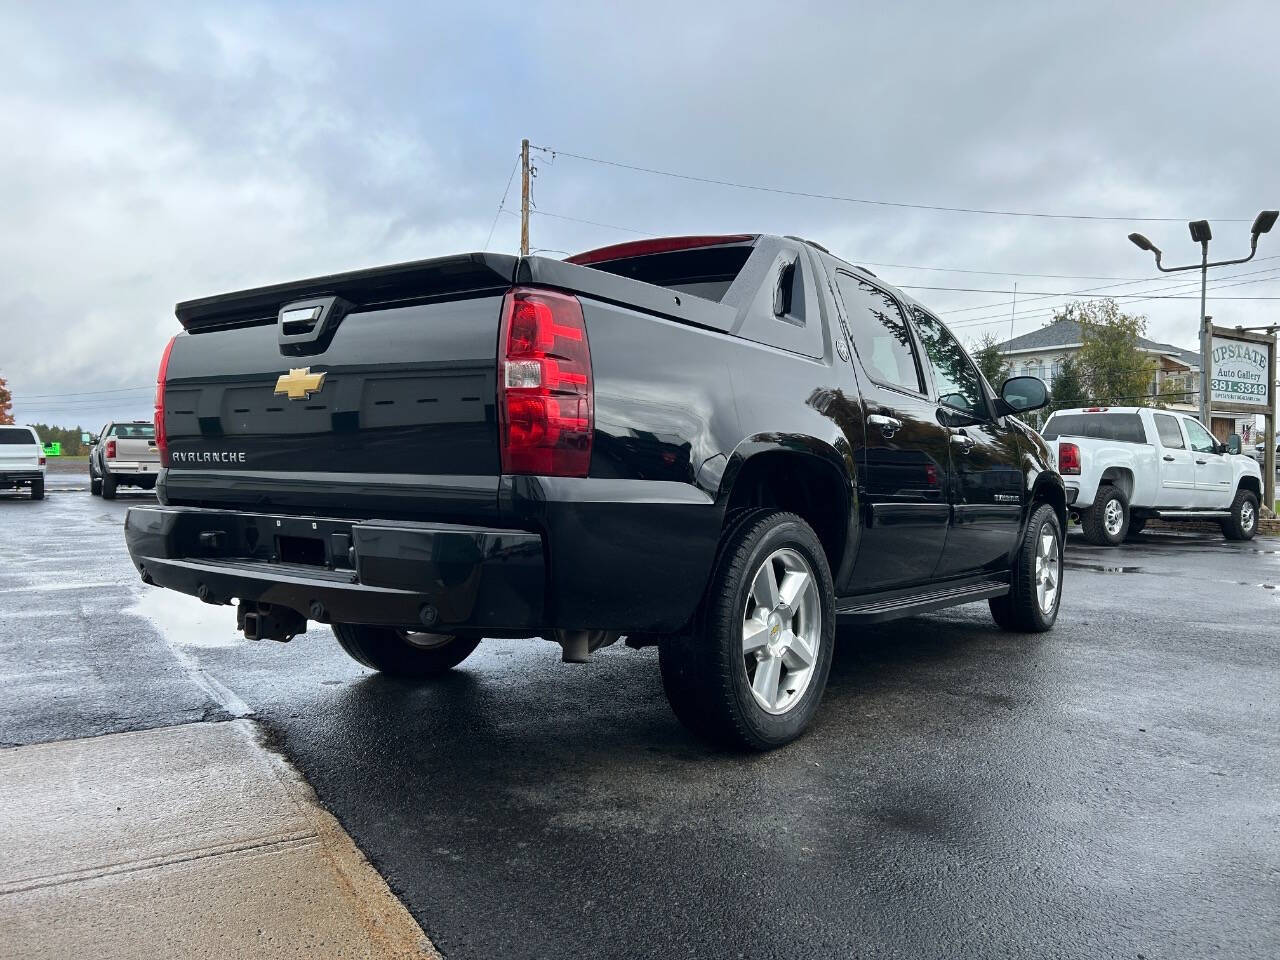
{"points": [[16, 435], [706, 272], [134, 431], [1123, 427], [1170, 432]]}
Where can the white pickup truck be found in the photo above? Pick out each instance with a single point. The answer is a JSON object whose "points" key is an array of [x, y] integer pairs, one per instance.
{"points": [[1125, 465], [124, 454], [22, 460]]}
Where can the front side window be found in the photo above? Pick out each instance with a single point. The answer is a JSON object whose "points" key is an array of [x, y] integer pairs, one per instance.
{"points": [[1201, 439], [953, 372], [1170, 435], [880, 334]]}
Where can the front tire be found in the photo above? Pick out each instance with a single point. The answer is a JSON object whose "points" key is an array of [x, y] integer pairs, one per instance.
{"points": [[1243, 523], [403, 653], [1107, 521], [108, 487], [1031, 605], [753, 671]]}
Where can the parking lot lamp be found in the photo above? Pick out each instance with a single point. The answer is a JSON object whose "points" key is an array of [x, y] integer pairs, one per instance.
{"points": [[1201, 234]]}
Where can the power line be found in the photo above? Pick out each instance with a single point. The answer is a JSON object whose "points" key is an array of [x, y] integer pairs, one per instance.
{"points": [[502, 203], [878, 203], [89, 393]]}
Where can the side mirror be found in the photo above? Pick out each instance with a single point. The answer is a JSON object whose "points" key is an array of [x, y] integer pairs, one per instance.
{"points": [[1233, 444], [1022, 394]]}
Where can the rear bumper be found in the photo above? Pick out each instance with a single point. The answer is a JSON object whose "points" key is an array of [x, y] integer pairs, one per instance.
{"points": [[376, 572], [19, 478], [126, 468]]}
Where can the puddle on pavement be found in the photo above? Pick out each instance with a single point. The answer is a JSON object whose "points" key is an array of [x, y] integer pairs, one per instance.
{"points": [[185, 620], [1099, 567]]}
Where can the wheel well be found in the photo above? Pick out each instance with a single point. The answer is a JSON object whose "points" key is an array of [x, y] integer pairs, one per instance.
{"points": [[1121, 478], [1253, 485], [801, 484], [1053, 495]]}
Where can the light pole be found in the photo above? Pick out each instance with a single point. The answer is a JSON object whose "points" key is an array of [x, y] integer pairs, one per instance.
{"points": [[1201, 234]]}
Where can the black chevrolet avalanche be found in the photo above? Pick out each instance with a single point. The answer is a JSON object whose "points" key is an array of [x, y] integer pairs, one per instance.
{"points": [[719, 445]]}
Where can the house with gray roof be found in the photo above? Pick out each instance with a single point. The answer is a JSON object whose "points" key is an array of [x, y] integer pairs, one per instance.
{"points": [[1040, 353]]}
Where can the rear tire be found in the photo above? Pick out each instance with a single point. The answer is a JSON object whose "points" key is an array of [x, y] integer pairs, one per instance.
{"points": [[1244, 517], [108, 487], [1107, 521], [37, 489], [752, 673], [402, 653], [1031, 605], [95, 485]]}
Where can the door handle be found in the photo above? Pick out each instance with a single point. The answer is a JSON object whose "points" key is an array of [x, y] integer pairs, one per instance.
{"points": [[888, 425], [1202, 462], [1169, 458]]}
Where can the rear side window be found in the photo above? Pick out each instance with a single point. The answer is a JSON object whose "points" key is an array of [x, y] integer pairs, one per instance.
{"points": [[16, 435], [1122, 427], [880, 334], [1170, 435]]}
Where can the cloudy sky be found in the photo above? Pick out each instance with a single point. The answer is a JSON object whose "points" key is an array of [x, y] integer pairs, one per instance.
{"points": [[157, 152]]}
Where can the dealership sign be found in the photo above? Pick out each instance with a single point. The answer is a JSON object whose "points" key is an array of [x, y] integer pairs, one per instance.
{"points": [[1240, 372]]}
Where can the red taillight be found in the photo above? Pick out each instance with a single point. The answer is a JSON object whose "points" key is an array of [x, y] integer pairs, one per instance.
{"points": [[111, 449], [544, 385], [42, 460], [1068, 458], [644, 248], [162, 438]]}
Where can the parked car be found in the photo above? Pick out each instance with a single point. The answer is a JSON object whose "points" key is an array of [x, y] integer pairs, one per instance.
{"points": [[715, 445], [1259, 454], [22, 460], [1125, 465], [123, 454]]}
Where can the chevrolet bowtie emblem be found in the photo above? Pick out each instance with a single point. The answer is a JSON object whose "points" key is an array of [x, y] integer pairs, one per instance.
{"points": [[300, 384]]}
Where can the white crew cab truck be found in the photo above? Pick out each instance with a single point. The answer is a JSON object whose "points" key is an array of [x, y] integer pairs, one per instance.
{"points": [[1125, 465], [22, 460]]}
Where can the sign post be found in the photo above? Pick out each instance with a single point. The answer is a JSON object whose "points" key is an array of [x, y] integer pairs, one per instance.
{"points": [[1241, 373]]}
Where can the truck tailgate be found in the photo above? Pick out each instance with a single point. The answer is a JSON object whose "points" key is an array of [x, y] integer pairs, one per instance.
{"points": [[19, 453], [136, 450], [396, 416]]}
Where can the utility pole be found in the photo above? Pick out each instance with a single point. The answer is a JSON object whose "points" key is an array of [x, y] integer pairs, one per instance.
{"points": [[524, 197], [1014, 310]]}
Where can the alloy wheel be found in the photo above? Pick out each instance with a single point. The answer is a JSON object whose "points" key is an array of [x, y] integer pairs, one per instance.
{"points": [[1113, 517], [781, 630], [1048, 572]]}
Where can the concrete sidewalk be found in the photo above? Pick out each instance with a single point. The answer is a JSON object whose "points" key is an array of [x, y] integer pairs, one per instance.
{"points": [[188, 841]]}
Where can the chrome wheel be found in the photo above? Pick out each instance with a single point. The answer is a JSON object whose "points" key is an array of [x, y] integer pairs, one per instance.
{"points": [[1247, 516], [781, 630], [1113, 517], [1048, 569], [425, 641]]}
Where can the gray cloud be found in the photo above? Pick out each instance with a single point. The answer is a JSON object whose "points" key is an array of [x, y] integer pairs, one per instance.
{"points": [[154, 153]]}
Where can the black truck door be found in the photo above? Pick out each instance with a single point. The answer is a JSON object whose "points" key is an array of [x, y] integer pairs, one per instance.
{"points": [[904, 461], [986, 482]]}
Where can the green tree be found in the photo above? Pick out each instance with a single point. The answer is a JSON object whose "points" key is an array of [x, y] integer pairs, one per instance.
{"points": [[1068, 386], [991, 361], [1112, 365], [6, 403], [69, 437]]}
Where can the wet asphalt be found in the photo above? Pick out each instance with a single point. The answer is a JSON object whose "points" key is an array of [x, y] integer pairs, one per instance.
{"points": [[1109, 789]]}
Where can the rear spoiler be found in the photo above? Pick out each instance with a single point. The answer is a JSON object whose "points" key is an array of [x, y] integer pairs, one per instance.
{"points": [[467, 274]]}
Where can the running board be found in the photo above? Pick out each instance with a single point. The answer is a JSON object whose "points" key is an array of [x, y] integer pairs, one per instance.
{"points": [[1192, 514], [877, 610]]}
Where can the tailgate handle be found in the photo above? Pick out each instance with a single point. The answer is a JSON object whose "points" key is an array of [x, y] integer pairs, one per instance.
{"points": [[306, 327]]}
